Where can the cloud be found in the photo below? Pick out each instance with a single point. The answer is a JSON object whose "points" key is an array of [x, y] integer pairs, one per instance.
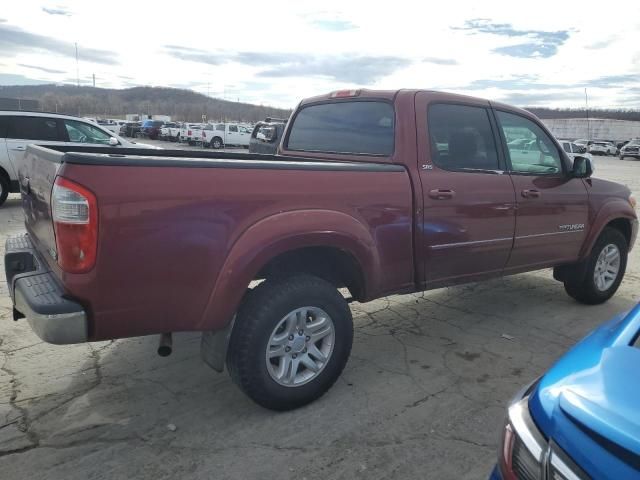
{"points": [[601, 44], [612, 81], [347, 68], [14, 41], [516, 82], [538, 43], [440, 61], [57, 11], [352, 68], [196, 55], [334, 25], [542, 98], [13, 79], [42, 69]]}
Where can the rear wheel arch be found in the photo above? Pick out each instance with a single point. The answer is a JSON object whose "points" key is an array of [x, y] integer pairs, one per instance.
{"points": [[271, 248]]}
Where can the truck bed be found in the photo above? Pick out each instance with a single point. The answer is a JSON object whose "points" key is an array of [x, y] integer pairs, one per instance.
{"points": [[181, 234]]}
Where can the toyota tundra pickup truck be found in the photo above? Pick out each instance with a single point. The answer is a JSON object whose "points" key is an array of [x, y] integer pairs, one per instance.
{"points": [[372, 193]]}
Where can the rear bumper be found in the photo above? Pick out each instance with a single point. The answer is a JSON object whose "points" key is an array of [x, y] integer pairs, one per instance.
{"points": [[38, 296]]}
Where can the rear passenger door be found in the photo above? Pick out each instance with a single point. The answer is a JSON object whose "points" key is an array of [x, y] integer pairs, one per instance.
{"points": [[469, 200], [552, 206], [23, 130]]}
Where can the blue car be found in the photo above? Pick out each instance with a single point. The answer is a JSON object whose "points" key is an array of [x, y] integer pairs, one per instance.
{"points": [[581, 420]]}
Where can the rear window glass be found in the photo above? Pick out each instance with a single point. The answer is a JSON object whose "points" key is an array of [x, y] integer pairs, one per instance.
{"points": [[364, 127], [33, 128]]}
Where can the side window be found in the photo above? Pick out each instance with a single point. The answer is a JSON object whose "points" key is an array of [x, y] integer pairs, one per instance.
{"points": [[3, 126], [461, 138], [566, 146], [530, 149], [220, 127], [80, 132], [33, 128], [233, 128]]}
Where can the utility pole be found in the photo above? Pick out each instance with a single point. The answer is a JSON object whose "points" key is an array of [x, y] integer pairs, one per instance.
{"points": [[94, 80], [586, 102], [77, 68]]}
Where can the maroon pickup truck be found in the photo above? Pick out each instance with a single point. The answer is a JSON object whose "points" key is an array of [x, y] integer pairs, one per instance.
{"points": [[372, 192]]}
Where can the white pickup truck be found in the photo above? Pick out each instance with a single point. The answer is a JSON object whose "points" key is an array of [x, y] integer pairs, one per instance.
{"points": [[223, 134], [170, 131], [191, 133]]}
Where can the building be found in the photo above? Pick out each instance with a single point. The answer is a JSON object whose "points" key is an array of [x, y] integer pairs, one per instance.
{"points": [[593, 128]]}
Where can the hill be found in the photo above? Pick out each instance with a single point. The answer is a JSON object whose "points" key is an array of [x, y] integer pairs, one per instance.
{"points": [[182, 105]]}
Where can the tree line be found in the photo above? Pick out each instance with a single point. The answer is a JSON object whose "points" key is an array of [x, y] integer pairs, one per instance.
{"points": [[181, 105]]}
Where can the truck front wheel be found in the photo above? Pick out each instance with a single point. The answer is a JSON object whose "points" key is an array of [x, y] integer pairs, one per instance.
{"points": [[291, 340], [4, 188], [603, 271]]}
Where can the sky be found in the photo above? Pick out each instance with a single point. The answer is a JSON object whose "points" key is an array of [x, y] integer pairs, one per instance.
{"points": [[272, 52]]}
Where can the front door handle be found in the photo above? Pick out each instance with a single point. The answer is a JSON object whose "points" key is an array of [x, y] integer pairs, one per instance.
{"points": [[531, 193], [441, 194], [19, 148]]}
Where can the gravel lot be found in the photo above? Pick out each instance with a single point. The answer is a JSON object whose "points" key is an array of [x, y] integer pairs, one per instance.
{"points": [[422, 396]]}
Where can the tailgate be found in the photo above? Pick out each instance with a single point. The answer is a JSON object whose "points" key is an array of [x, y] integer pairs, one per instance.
{"points": [[36, 176]]}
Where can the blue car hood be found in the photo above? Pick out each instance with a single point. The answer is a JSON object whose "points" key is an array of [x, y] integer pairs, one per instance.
{"points": [[593, 392]]}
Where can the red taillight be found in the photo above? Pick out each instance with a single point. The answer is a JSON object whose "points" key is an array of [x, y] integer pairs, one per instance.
{"points": [[345, 93], [204, 134], [189, 132], [75, 222]]}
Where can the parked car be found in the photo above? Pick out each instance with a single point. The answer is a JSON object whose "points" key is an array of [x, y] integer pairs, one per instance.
{"points": [[252, 251], [266, 136], [131, 129], [631, 149], [603, 148], [111, 125], [191, 133], [580, 420], [574, 150], [151, 129], [170, 131], [226, 134], [20, 128], [584, 142]]}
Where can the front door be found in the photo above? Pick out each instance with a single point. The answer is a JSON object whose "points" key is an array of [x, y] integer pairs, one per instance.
{"points": [[232, 135], [469, 201], [552, 205]]}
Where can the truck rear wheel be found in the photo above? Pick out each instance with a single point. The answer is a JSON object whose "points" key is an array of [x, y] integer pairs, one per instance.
{"points": [[216, 143], [604, 270], [291, 340]]}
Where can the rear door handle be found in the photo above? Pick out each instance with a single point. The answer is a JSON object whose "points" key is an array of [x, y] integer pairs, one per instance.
{"points": [[531, 193], [441, 194]]}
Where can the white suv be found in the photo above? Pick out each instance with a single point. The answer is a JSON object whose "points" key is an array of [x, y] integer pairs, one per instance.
{"points": [[19, 128]]}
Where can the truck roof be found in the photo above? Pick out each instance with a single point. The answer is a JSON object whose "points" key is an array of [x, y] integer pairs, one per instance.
{"points": [[390, 95]]}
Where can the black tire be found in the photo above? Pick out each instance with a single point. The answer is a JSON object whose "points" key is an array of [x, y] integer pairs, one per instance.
{"points": [[621, 157], [216, 143], [4, 188], [580, 283], [261, 312]]}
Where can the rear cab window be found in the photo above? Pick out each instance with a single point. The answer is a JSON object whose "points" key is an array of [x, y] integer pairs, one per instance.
{"points": [[363, 127]]}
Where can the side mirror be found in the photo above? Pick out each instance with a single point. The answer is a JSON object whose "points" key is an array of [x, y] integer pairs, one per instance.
{"points": [[582, 167], [113, 141]]}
